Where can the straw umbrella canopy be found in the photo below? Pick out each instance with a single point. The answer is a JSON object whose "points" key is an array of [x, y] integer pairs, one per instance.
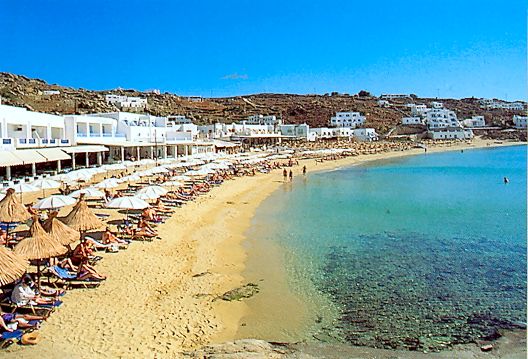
{"points": [[11, 210], [39, 245], [81, 218], [12, 266], [61, 232]]}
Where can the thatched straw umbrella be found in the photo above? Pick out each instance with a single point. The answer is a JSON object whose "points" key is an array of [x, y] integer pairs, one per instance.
{"points": [[12, 266], [62, 233], [11, 210], [81, 218], [39, 245]]}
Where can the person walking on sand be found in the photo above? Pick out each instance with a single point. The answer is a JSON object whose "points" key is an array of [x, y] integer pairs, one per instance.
{"points": [[291, 175], [285, 174], [304, 170]]}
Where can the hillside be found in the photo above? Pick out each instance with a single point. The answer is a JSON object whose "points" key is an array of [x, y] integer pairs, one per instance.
{"points": [[315, 110]]}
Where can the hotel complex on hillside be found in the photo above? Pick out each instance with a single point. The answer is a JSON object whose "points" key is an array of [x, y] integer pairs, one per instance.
{"points": [[31, 140]]}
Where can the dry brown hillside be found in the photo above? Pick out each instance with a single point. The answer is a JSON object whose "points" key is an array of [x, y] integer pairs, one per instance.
{"points": [[313, 109]]}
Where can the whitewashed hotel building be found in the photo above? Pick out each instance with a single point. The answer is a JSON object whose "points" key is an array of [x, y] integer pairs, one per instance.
{"points": [[347, 119]]}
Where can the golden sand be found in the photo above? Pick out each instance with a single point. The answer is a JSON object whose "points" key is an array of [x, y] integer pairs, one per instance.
{"points": [[159, 296]]}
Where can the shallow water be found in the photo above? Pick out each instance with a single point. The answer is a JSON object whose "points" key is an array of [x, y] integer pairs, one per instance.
{"points": [[418, 252]]}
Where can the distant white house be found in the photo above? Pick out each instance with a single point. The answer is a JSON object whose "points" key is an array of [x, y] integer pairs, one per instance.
{"points": [[299, 131], [450, 133], [178, 119], [416, 120], [393, 96], [347, 119], [437, 105], [50, 92], [126, 101], [383, 103], [440, 118], [195, 98], [263, 120], [365, 134], [519, 121], [417, 109], [331, 133], [496, 104], [475, 121]]}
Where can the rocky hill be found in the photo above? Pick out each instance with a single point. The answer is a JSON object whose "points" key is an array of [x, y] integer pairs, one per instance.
{"points": [[315, 110]]}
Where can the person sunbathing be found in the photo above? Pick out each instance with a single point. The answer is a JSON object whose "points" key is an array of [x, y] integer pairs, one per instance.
{"points": [[160, 207], [3, 237], [21, 321], [145, 230], [110, 238], [86, 271], [82, 251], [23, 294], [31, 210]]}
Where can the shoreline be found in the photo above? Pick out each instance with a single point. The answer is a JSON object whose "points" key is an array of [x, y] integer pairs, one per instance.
{"points": [[159, 298]]}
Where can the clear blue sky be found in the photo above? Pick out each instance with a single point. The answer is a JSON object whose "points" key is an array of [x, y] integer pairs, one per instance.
{"points": [[233, 47]]}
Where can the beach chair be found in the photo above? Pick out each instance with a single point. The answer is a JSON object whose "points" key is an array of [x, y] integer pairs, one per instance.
{"points": [[8, 306], [63, 277], [9, 338]]}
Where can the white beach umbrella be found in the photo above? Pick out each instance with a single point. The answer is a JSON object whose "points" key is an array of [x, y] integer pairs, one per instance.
{"points": [[172, 184], [88, 192], [159, 191], [159, 169], [147, 196], [56, 201], [46, 183], [24, 188], [128, 202], [107, 183], [181, 178]]}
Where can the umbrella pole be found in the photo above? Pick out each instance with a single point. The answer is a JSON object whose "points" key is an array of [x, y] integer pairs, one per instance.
{"points": [[38, 274]]}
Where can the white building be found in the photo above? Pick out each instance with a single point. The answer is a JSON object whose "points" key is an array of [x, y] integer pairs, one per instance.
{"points": [[178, 119], [439, 118], [393, 96], [474, 121], [417, 109], [20, 128], [51, 92], [347, 119], [223, 130], [451, 133], [126, 101], [383, 103], [437, 105], [365, 134], [263, 120], [519, 121], [299, 131], [413, 120], [497, 104]]}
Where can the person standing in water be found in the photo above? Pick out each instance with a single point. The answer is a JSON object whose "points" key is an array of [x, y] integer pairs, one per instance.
{"points": [[285, 174], [506, 180], [304, 170], [291, 175]]}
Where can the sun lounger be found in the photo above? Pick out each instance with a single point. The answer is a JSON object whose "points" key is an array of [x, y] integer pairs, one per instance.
{"points": [[63, 276], [9, 338]]}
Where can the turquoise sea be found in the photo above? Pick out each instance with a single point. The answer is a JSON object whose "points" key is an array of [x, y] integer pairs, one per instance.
{"points": [[418, 252]]}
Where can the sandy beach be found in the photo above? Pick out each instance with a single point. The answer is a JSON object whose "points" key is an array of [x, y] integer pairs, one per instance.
{"points": [[161, 297]]}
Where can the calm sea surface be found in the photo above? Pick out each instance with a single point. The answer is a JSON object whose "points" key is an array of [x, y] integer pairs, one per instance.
{"points": [[419, 252]]}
